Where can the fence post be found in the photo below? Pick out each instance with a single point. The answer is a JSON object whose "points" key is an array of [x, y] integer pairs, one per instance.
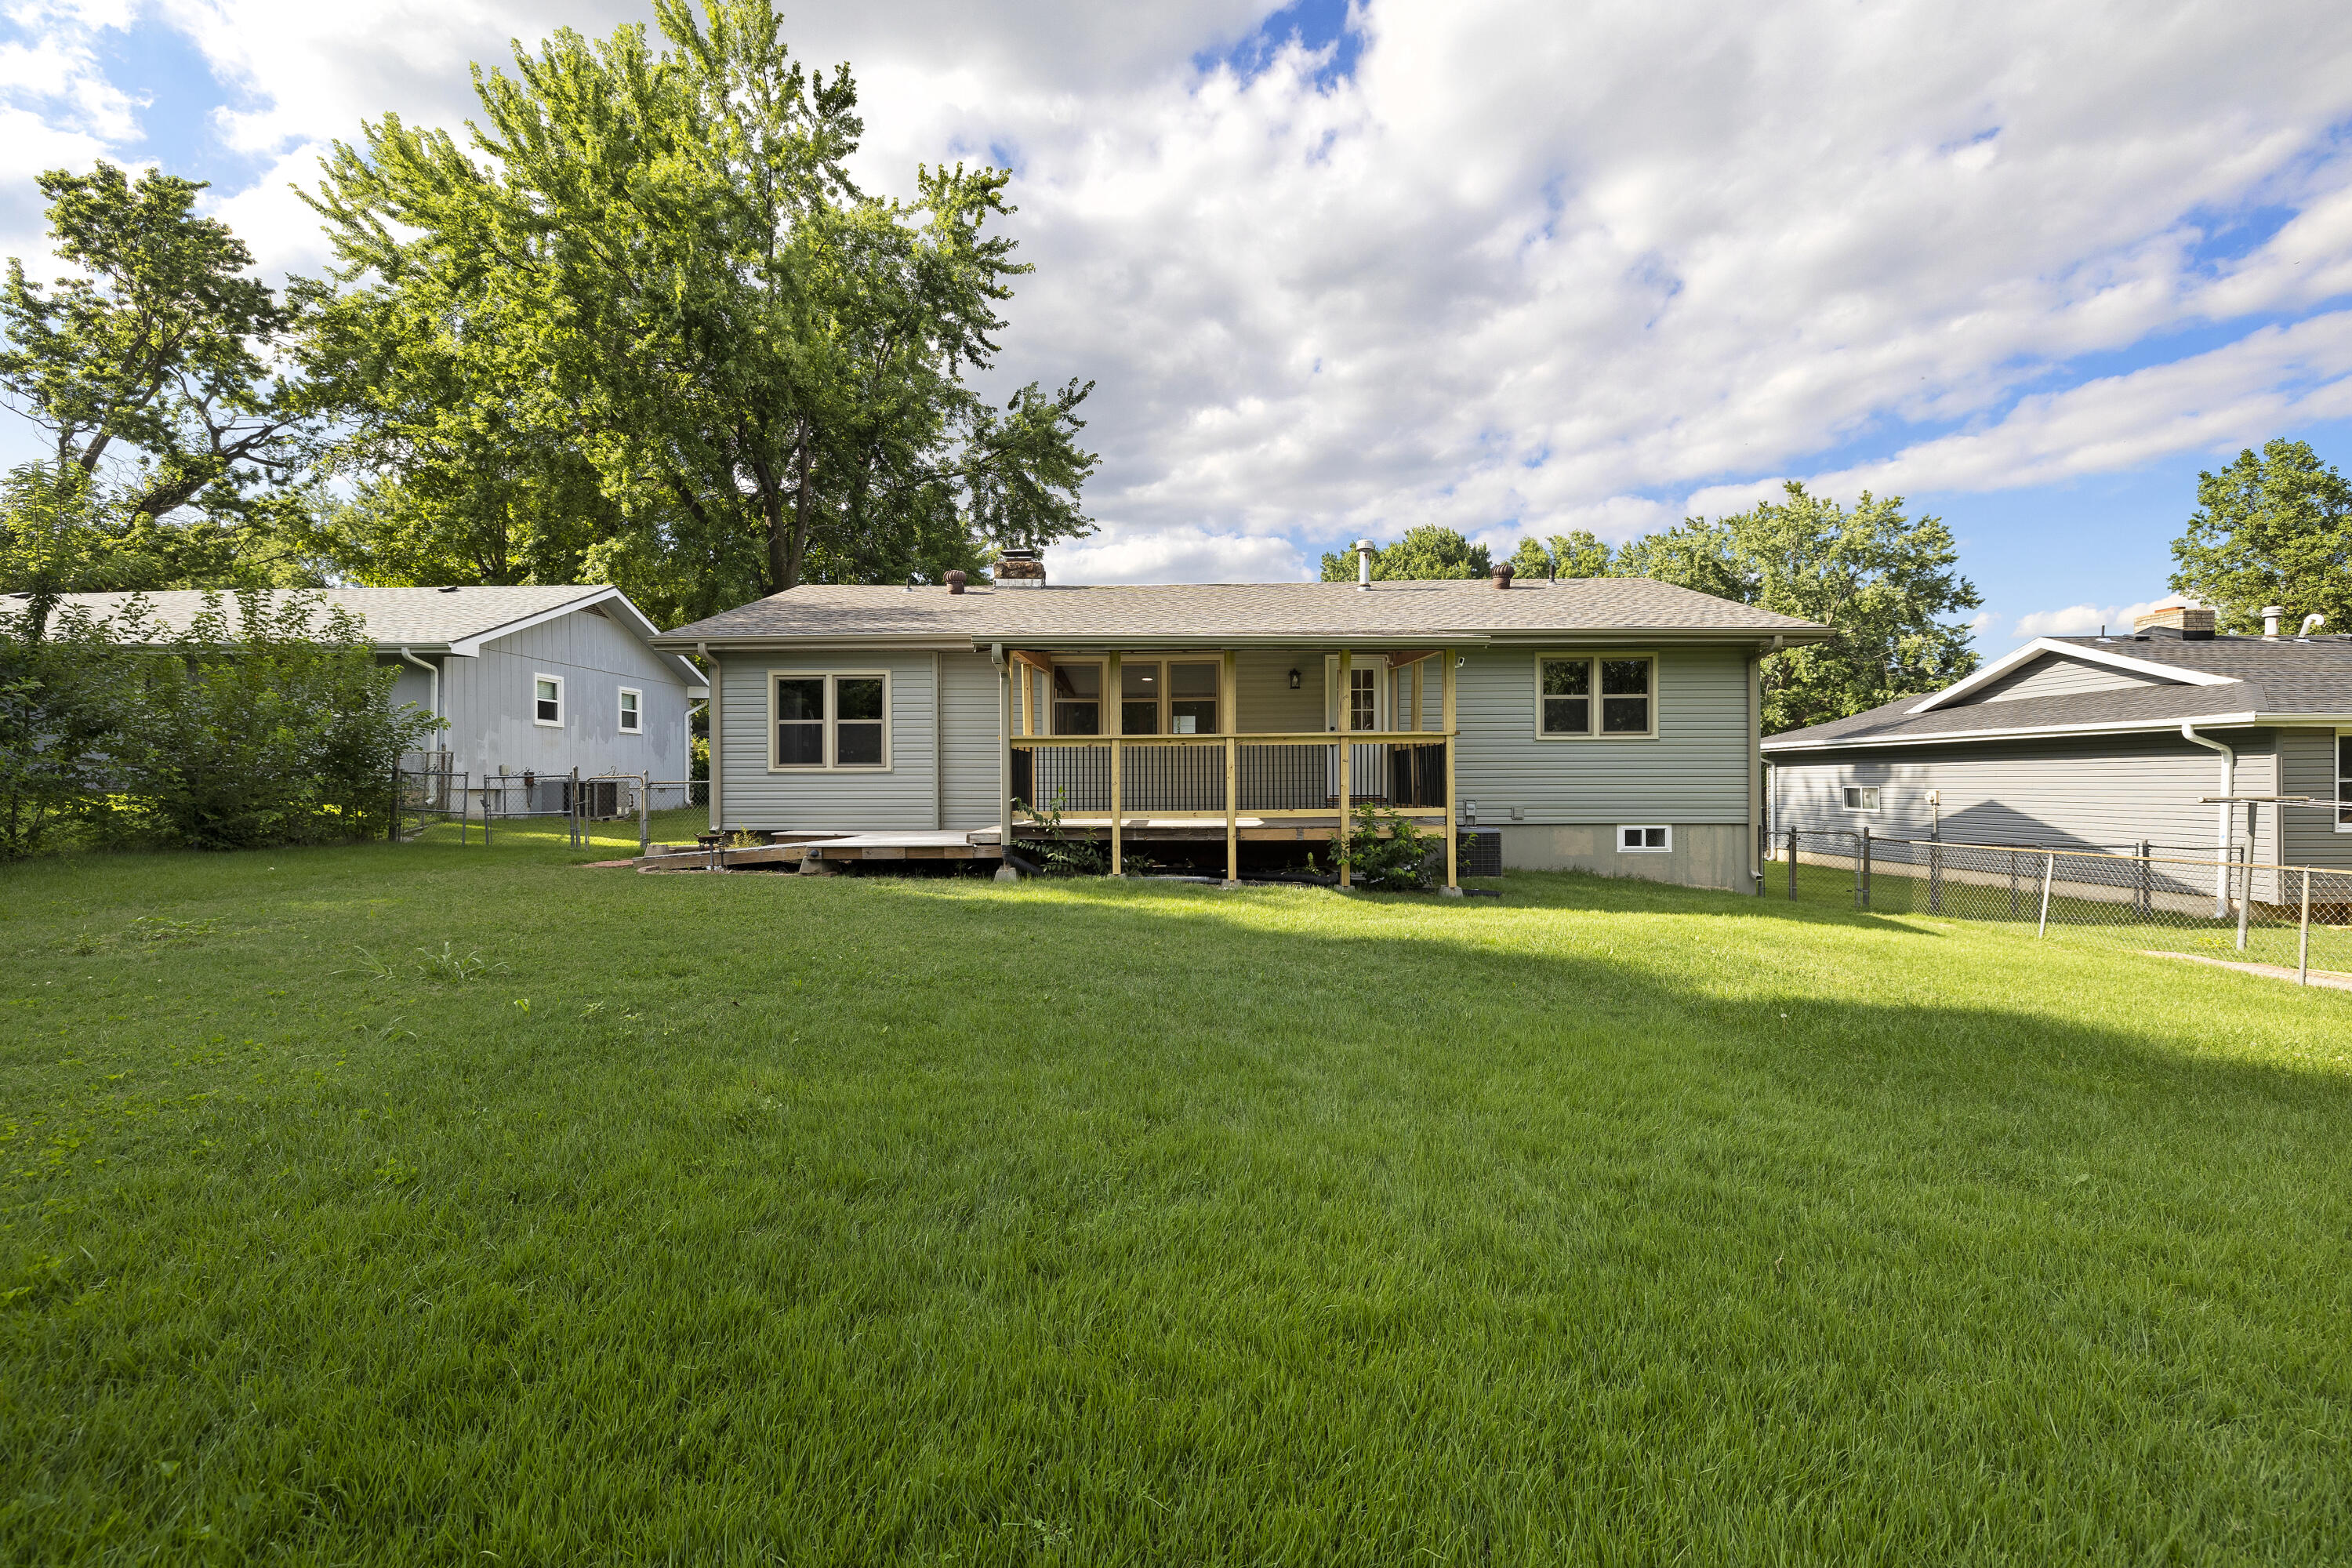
{"points": [[1863, 886], [1936, 876], [2245, 891], [2303, 940], [2012, 884], [645, 817], [392, 833], [2146, 887], [2049, 875], [1792, 865]]}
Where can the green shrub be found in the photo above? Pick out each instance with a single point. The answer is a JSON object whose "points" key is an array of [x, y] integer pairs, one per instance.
{"points": [[1384, 850]]}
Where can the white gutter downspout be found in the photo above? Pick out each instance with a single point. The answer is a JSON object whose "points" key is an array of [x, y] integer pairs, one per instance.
{"points": [[432, 673], [711, 676], [2222, 828]]}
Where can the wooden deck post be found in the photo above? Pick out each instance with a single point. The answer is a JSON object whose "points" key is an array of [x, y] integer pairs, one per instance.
{"points": [[1453, 834], [1232, 828], [1347, 753], [1114, 710], [1228, 695]]}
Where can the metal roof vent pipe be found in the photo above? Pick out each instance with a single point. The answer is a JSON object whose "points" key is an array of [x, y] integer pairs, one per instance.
{"points": [[1364, 548], [1503, 576], [2270, 617], [956, 581], [2312, 624]]}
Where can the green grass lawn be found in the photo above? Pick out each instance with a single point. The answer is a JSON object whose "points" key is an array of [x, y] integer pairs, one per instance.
{"points": [[402, 1205]]}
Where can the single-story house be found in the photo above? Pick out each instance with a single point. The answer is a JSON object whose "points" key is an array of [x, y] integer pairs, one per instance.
{"points": [[540, 679], [1608, 725], [2101, 743]]}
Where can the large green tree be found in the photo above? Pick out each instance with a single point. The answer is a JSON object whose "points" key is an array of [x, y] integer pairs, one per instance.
{"points": [[2272, 528], [150, 370], [1429, 551], [650, 280], [1888, 583]]}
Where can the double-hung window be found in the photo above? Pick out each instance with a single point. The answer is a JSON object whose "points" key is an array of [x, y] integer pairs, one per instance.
{"points": [[547, 700], [833, 719], [1613, 696], [2344, 781], [632, 715]]}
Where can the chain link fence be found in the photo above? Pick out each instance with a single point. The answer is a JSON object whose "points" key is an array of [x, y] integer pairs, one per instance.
{"points": [[2205, 904], [622, 812]]}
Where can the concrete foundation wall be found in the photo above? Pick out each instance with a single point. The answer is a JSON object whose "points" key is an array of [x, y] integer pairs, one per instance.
{"points": [[1705, 854]]}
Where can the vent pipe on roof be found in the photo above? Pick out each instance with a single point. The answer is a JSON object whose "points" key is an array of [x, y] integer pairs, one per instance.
{"points": [[2271, 615], [955, 581], [1364, 548], [2312, 624], [1503, 576]]}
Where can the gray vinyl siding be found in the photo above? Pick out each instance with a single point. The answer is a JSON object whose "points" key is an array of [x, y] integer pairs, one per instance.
{"points": [[2089, 791], [2307, 766], [1694, 772], [487, 701], [2056, 676], [904, 798], [971, 773]]}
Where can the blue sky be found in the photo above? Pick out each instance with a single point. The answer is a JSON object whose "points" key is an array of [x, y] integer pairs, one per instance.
{"points": [[1340, 269]]}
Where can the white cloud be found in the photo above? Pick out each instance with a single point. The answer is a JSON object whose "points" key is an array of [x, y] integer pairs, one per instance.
{"points": [[1179, 555], [1532, 268], [2081, 620]]}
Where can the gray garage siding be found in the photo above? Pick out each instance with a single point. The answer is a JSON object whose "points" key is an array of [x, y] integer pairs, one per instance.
{"points": [[1694, 772], [2307, 766], [2053, 676], [904, 798], [971, 773], [2104, 791]]}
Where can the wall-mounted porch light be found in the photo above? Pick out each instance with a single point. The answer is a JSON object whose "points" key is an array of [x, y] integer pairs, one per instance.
{"points": [[1294, 680]]}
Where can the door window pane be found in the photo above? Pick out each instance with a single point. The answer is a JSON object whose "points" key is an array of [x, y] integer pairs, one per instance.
{"points": [[1077, 699], [1364, 698], [1138, 699], [1567, 697], [1625, 696], [800, 722], [1192, 699]]}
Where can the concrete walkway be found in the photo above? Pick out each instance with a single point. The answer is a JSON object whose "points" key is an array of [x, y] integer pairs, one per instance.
{"points": [[2329, 978]]}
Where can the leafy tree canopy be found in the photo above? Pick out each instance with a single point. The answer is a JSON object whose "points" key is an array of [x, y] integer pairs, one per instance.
{"points": [[2272, 528], [1885, 580], [658, 302], [149, 370], [1425, 552]]}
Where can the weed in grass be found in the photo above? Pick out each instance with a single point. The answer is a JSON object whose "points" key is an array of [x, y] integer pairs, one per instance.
{"points": [[454, 967]]}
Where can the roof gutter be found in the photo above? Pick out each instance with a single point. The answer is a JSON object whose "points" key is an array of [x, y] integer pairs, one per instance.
{"points": [[2221, 821]]}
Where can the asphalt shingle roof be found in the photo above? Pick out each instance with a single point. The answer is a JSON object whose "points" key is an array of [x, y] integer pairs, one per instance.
{"points": [[2288, 675], [422, 617], [1213, 610]]}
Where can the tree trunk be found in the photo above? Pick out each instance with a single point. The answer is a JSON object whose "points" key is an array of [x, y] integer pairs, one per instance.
{"points": [[798, 551]]}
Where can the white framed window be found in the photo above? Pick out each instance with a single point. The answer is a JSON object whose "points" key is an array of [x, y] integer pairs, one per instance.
{"points": [[547, 700], [1597, 696], [1862, 798], [1649, 839], [829, 719], [632, 712], [2344, 781]]}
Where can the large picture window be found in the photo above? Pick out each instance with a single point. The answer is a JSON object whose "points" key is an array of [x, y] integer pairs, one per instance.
{"points": [[831, 720], [1613, 696], [1078, 699]]}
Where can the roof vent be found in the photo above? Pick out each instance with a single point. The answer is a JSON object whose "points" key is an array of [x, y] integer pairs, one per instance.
{"points": [[2187, 622], [955, 581], [1503, 576], [1019, 568], [447, 590], [1364, 549]]}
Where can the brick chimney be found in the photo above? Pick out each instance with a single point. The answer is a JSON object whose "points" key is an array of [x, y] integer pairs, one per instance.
{"points": [[2183, 621], [1019, 568]]}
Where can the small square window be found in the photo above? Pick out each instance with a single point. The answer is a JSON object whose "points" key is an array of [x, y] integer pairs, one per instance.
{"points": [[547, 699], [1862, 798], [632, 714], [1645, 840]]}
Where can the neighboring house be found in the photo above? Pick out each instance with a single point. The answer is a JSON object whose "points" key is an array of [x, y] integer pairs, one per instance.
{"points": [[1608, 724], [2099, 743], [533, 678]]}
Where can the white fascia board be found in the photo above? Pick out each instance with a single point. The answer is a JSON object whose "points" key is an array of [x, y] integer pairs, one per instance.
{"points": [[2171, 674], [2119, 727]]}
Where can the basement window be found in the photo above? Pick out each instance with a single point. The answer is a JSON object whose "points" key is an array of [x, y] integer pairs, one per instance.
{"points": [[1645, 840], [1862, 798]]}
